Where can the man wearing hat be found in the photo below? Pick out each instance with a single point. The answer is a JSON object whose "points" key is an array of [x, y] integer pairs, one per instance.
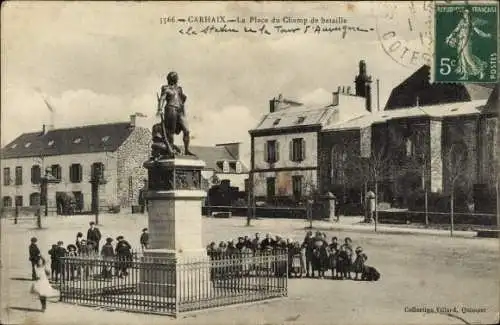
{"points": [[60, 252], [34, 252], [124, 255], [108, 254], [94, 234], [144, 239]]}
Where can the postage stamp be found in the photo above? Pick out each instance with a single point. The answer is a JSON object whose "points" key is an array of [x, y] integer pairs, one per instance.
{"points": [[465, 43]]}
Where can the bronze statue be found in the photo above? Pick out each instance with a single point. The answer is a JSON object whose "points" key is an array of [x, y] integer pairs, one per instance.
{"points": [[171, 109]]}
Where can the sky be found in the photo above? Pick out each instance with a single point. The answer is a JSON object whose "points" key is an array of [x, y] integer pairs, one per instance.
{"points": [[100, 62]]}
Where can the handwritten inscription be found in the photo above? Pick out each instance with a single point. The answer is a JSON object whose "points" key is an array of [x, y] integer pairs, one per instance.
{"points": [[287, 25], [275, 29]]}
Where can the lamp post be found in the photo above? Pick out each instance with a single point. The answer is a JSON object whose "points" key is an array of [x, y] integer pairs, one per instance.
{"points": [[96, 179], [45, 180]]}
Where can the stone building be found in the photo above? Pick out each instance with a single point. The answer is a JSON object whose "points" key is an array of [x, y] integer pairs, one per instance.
{"points": [[73, 154], [222, 163], [446, 143]]}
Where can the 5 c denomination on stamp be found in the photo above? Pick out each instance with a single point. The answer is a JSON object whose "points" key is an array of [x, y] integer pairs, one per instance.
{"points": [[466, 43]]}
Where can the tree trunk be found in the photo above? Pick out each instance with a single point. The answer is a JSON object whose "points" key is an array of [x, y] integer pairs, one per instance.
{"points": [[376, 205], [426, 208], [452, 212]]}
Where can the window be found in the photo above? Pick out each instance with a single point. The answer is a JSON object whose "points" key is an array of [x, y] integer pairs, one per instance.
{"points": [[34, 199], [7, 201], [27, 144], [271, 187], [105, 139], [300, 120], [19, 201], [51, 143], [75, 173], [6, 176], [276, 121], [36, 174], [271, 151], [78, 200], [19, 175], [225, 167], [297, 186], [77, 140], [297, 150], [338, 165], [13, 146], [97, 170], [238, 167], [410, 148], [55, 170]]}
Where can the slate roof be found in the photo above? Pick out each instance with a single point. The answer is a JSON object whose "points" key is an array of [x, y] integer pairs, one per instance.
{"points": [[294, 116], [214, 158], [93, 138], [418, 85], [442, 110]]}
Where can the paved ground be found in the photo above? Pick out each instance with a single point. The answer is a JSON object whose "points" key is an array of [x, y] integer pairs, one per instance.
{"points": [[418, 270]]}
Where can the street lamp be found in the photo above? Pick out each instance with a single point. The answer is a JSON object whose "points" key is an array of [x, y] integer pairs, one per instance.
{"points": [[46, 179]]}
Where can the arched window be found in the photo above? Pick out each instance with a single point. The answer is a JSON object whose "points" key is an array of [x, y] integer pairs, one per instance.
{"points": [[7, 202], [35, 174], [338, 164], [34, 199]]}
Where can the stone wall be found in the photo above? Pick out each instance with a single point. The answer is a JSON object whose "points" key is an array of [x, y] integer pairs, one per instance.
{"points": [[130, 172]]}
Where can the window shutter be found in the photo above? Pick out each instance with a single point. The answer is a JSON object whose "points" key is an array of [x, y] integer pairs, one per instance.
{"points": [[303, 148], [266, 152], [277, 150], [291, 151]]}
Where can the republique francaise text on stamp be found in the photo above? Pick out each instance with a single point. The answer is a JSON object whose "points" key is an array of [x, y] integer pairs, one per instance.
{"points": [[465, 43]]}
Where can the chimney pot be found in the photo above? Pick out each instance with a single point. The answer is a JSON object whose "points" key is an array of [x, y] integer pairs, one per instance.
{"points": [[132, 120], [335, 98]]}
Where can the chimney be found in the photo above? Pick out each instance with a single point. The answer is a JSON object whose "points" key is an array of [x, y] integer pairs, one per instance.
{"points": [[361, 79], [335, 98], [132, 120], [233, 148], [368, 95], [272, 105]]}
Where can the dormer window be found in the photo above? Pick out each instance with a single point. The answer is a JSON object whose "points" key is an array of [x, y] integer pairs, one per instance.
{"points": [[51, 143], [300, 119], [77, 140], [13, 146], [105, 139], [276, 122], [27, 145], [225, 167]]}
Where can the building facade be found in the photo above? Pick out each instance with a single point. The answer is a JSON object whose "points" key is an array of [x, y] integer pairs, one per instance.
{"points": [[73, 155]]}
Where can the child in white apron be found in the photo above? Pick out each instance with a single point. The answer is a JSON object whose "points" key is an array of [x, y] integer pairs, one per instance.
{"points": [[42, 287]]}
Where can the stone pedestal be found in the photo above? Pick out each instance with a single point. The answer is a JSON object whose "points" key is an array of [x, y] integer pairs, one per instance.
{"points": [[175, 230]]}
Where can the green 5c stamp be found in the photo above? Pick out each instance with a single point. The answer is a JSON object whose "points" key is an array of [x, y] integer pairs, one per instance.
{"points": [[466, 43]]}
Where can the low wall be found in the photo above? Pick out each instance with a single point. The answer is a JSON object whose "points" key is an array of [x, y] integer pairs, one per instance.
{"points": [[404, 217]]}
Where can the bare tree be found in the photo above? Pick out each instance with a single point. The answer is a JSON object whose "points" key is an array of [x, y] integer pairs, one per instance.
{"points": [[456, 163]]}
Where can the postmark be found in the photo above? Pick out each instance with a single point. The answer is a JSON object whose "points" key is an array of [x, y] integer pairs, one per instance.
{"points": [[465, 43], [405, 33]]}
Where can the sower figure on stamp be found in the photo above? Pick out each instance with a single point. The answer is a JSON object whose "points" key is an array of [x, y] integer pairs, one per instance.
{"points": [[171, 108]]}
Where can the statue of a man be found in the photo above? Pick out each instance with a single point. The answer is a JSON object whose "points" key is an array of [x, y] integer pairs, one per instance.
{"points": [[172, 101]]}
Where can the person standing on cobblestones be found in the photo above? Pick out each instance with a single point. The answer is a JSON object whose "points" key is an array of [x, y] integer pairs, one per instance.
{"points": [[34, 252], [94, 235]]}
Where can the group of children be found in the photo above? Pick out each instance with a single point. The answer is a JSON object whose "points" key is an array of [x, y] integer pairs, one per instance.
{"points": [[314, 256]]}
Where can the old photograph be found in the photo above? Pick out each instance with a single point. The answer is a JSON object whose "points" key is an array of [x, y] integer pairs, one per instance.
{"points": [[177, 162]]}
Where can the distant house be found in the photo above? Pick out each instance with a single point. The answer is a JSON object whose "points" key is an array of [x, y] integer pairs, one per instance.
{"points": [[73, 155], [222, 163], [285, 145]]}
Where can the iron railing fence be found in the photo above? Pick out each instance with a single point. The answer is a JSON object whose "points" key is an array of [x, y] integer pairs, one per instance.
{"points": [[168, 286]]}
